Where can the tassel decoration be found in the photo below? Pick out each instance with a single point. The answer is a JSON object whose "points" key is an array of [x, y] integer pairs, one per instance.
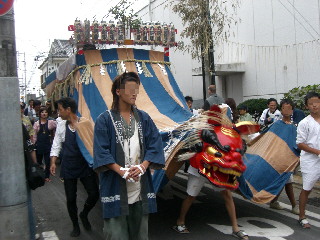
{"points": [[102, 71], [139, 69], [86, 76], [163, 69], [121, 68], [146, 70]]}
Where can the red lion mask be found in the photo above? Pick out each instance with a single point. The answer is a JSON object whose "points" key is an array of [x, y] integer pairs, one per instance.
{"points": [[219, 157]]}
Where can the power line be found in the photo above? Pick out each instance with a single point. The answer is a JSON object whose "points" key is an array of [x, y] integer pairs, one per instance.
{"points": [[303, 17], [298, 20], [155, 7]]}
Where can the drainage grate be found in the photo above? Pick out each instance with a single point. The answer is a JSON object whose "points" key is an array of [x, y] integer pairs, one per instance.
{"points": [[314, 201]]}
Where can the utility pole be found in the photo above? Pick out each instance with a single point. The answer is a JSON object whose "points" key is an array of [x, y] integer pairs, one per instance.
{"points": [[25, 76], [212, 71], [210, 56], [14, 221]]}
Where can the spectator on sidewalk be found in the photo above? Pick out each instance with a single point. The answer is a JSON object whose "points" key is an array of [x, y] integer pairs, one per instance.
{"points": [[52, 114], [74, 165], [189, 101], [243, 114], [213, 98], [26, 121], [308, 140], [234, 111], [29, 111], [29, 156], [44, 134], [36, 108], [126, 144], [270, 114]]}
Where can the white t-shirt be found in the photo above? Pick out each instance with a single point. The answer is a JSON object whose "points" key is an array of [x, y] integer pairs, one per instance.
{"points": [[275, 116], [308, 132], [133, 188]]}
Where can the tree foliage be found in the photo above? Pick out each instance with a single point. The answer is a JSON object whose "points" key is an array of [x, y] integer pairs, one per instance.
{"points": [[122, 12], [204, 27], [297, 95], [255, 106]]}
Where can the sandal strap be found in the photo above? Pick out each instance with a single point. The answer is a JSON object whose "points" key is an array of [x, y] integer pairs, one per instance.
{"points": [[181, 228], [303, 221], [241, 234]]}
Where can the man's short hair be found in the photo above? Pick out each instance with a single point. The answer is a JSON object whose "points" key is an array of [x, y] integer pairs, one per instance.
{"points": [[212, 88], [188, 98], [272, 100], [287, 101], [243, 107], [68, 102], [310, 95], [36, 103]]}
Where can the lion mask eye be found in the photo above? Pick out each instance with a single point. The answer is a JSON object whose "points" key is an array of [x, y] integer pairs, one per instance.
{"points": [[218, 154]]}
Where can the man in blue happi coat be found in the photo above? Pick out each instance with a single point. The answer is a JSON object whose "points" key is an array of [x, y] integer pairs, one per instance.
{"points": [[126, 145]]}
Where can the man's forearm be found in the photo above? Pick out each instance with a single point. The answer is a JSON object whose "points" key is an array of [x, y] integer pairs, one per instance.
{"points": [[146, 164], [114, 167], [307, 148], [53, 159]]}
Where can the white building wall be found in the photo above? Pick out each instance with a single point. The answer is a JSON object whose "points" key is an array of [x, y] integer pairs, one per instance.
{"points": [[279, 43], [184, 68], [277, 40]]}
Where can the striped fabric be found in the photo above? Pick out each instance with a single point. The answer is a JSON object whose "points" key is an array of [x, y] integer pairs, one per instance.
{"points": [[270, 162], [90, 85]]}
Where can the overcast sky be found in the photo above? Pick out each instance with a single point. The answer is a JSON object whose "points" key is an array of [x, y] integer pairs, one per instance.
{"points": [[39, 22]]}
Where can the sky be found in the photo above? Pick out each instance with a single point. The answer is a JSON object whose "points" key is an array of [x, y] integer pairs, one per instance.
{"points": [[39, 22]]}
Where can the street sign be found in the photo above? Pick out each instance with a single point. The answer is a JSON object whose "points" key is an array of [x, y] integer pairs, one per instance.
{"points": [[5, 6]]}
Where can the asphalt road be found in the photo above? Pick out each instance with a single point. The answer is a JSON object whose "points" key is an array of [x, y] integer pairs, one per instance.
{"points": [[207, 218]]}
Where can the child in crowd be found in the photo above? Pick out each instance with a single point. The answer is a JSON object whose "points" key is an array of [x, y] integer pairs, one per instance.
{"points": [[243, 114], [308, 140]]}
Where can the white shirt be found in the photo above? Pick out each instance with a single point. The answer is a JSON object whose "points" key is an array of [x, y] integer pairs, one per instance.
{"points": [[133, 188], [31, 112], [59, 138], [276, 116], [308, 132]]}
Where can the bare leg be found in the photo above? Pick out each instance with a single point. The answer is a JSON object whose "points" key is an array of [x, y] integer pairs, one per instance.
{"points": [[303, 199], [231, 209], [290, 194], [186, 204], [229, 203], [276, 198]]}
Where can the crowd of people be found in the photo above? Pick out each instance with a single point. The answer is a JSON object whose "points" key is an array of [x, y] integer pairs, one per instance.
{"points": [[126, 144]]}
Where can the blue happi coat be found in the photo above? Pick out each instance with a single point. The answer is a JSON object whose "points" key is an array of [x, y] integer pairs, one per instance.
{"points": [[107, 150]]}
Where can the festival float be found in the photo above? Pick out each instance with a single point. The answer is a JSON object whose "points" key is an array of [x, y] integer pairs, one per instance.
{"points": [[209, 141]]}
